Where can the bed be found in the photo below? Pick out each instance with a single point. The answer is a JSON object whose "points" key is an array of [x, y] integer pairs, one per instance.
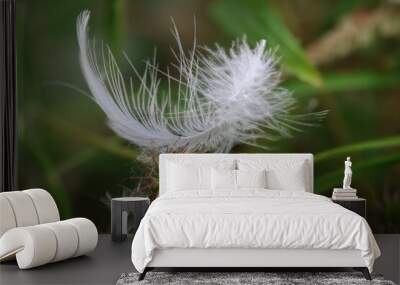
{"points": [[245, 211]]}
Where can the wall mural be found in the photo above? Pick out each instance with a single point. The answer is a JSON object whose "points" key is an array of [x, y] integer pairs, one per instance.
{"points": [[266, 92]]}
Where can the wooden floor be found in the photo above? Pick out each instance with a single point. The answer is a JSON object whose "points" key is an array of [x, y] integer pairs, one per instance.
{"points": [[110, 260]]}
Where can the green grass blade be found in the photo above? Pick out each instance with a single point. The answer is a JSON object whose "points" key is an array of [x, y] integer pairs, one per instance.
{"points": [[77, 159], [114, 19], [257, 20], [67, 129], [55, 184], [363, 146], [347, 81]]}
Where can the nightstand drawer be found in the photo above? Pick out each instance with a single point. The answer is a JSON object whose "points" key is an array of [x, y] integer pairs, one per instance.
{"points": [[358, 206]]}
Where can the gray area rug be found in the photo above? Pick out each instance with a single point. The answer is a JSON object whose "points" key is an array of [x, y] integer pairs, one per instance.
{"points": [[233, 278]]}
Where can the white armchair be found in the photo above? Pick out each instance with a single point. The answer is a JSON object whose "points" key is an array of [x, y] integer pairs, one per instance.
{"points": [[31, 230]]}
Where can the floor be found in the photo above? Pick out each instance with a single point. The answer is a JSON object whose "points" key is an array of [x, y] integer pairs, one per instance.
{"points": [[389, 262], [103, 266], [110, 260]]}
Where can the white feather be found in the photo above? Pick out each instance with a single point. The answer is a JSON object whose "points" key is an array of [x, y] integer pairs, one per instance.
{"points": [[225, 98]]}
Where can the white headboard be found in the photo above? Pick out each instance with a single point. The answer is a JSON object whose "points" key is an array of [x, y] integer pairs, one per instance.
{"points": [[164, 158]]}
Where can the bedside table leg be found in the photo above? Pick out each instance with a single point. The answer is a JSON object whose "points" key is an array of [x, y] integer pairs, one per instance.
{"points": [[116, 221]]}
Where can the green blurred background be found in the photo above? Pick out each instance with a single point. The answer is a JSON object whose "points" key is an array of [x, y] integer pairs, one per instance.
{"points": [[341, 56]]}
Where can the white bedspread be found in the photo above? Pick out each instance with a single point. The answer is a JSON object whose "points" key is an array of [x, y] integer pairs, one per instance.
{"points": [[250, 219]]}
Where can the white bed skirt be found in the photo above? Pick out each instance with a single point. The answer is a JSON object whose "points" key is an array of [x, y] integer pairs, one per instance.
{"points": [[193, 257]]}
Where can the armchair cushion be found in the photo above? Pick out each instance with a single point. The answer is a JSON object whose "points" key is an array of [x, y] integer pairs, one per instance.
{"points": [[31, 231], [40, 244], [26, 208]]}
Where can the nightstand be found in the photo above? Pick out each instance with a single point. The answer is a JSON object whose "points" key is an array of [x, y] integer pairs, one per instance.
{"points": [[120, 208], [358, 206]]}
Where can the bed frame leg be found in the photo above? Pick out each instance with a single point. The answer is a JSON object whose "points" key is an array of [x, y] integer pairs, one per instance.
{"points": [[143, 274], [364, 271]]}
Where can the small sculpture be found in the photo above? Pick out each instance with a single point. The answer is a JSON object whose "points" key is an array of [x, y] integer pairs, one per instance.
{"points": [[347, 174]]}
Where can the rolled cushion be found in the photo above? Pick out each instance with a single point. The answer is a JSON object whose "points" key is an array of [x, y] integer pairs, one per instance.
{"points": [[23, 208], [26, 208], [87, 235], [7, 218], [45, 205], [40, 244], [67, 240], [32, 246]]}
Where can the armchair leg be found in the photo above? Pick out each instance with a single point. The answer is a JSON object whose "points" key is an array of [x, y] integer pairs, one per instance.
{"points": [[143, 274], [364, 271]]}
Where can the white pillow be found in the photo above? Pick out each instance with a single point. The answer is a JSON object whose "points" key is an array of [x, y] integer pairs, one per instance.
{"points": [[289, 175], [227, 179], [223, 179], [181, 177], [186, 174], [251, 178]]}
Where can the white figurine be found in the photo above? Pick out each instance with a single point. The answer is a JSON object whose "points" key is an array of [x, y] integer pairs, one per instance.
{"points": [[347, 174]]}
